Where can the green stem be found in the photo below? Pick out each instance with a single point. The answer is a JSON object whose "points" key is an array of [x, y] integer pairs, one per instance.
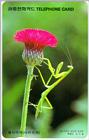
{"points": [[26, 99]]}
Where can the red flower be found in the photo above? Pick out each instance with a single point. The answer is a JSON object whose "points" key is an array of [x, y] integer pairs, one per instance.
{"points": [[36, 39]]}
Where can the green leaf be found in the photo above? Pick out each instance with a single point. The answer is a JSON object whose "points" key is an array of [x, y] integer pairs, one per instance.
{"points": [[13, 95]]}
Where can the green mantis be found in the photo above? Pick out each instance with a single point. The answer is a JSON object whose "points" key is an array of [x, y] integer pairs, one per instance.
{"points": [[55, 73]]}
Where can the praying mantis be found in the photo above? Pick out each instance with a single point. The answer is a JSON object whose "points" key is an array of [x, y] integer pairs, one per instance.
{"points": [[58, 75]]}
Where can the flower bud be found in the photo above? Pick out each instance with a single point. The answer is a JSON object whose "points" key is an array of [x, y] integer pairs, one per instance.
{"points": [[32, 57]]}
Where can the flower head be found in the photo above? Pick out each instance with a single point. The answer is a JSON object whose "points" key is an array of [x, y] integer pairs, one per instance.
{"points": [[35, 41]]}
